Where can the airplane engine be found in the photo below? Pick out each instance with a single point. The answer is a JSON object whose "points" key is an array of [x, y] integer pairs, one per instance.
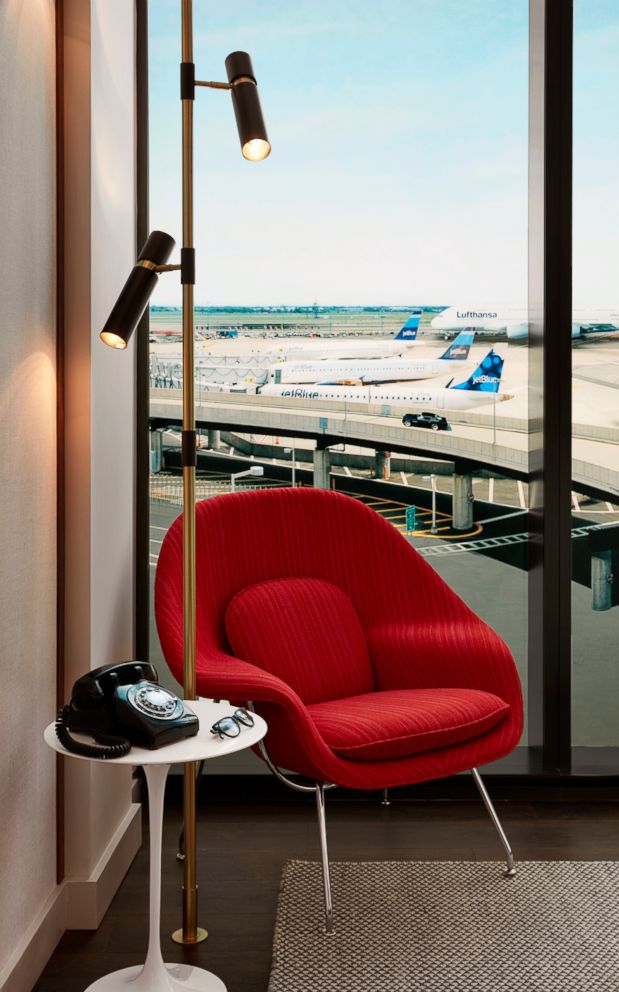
{"points": [[517, 332]]}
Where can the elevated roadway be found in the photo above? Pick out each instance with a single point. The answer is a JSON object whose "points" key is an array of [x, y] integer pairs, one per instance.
{"points": [[494, 441]]}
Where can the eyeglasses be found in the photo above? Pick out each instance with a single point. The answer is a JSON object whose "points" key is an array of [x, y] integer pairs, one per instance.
{"points": [[231, 726]]}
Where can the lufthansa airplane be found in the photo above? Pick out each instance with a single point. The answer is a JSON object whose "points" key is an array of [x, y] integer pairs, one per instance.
{"points": [[477, 390], [359, 373], [515, 323]]}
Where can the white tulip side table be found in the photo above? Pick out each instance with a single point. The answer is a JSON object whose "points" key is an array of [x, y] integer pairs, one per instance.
{"points": [[154, 975]]}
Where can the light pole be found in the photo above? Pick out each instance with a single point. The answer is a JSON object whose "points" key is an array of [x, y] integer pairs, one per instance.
{"points": [[433, 528], [291, 451], [255, 470]]}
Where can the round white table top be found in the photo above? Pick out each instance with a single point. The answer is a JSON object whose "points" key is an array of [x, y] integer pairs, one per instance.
{"points": [[203, 746]]}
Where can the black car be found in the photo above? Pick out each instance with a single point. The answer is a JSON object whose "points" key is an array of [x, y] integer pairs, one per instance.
{"points": [[431, 421]]}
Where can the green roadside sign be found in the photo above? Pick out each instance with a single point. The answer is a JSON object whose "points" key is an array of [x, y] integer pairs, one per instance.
{"points": [[411, 518]]}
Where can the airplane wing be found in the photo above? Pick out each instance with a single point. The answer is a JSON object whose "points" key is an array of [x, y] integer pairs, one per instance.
{"points": [[364, 380], [340, 382]]}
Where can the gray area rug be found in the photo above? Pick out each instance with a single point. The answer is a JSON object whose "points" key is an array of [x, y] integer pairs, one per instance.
{"points": [[431, 926]]}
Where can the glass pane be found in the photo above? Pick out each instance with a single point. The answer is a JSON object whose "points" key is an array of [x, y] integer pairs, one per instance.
{"points": [[369, 276], [595, 369]]}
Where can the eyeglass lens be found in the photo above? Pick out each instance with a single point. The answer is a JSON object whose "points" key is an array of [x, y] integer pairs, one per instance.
{"points": [[244, 717]]}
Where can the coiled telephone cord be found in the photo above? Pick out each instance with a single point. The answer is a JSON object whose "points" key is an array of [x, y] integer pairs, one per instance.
{"points": [[115, 747]]}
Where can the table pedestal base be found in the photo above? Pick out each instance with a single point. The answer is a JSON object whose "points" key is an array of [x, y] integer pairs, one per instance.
{"points": [[175, 978]]}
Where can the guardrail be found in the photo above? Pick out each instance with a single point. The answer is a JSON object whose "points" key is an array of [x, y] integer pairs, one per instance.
{"points": [[304, 418]]}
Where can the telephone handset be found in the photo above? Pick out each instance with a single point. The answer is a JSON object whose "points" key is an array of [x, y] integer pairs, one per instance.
{"points": [[120, 705]]}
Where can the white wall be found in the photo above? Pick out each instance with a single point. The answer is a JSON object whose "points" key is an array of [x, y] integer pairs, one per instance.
{"points": [[102, 825], [99, 405], [28, 464]]}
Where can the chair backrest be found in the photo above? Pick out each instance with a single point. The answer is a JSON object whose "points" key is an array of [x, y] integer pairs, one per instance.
{"points": [[246, 538]]}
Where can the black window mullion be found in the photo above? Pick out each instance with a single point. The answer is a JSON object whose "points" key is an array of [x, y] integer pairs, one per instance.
{"points": [[550, 371]]}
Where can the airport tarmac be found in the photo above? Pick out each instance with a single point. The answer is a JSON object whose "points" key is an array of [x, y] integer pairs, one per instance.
{"points": [[595, 363]]}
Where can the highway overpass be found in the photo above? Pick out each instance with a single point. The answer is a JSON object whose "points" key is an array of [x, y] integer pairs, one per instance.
{"points": [[497, 443]]}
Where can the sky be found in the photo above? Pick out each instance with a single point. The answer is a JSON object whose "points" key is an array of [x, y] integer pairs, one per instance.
{"points": [[398, 173]]}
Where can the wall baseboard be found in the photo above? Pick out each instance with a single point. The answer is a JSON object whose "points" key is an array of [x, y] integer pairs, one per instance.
{"points": [[37, 945], [88, 899], [76, 904]]}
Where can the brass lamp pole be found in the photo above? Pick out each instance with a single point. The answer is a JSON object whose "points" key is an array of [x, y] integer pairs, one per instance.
{"points": [[189, 933], [121, 323]]}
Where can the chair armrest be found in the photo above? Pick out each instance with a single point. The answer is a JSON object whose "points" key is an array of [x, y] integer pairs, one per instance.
{"points": [[222, 675], [449, 654], [293, 739]]}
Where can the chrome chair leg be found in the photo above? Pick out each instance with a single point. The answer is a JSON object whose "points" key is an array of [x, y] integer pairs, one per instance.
{"points": [[510, 870], [326, 879], [386, 800]]}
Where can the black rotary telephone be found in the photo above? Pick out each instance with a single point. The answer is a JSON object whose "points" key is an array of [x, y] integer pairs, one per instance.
{"points": [[120, 705]]}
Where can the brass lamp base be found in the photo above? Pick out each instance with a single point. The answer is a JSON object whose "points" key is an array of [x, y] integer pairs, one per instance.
{"points": [[178, 938]]}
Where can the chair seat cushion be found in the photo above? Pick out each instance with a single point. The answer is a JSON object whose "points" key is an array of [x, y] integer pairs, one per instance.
{"points": [[378, 726], [304, 630]]}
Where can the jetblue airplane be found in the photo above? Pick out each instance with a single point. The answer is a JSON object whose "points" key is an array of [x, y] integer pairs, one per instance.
{"points": [[358, 373], [477, 390], [360, 347], [514, 321]]}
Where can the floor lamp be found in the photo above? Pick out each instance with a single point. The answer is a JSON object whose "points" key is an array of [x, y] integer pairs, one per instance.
{"points": [[128, 309]]}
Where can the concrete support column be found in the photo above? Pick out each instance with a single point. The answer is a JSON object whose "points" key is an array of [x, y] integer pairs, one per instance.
{"points": [[214, 440], [601, 580], [382, 465], [321, 468], [463, 502], [156, 451]]}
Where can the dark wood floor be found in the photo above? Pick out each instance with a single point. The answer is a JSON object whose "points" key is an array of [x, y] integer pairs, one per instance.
{"points": [[242, 848]]}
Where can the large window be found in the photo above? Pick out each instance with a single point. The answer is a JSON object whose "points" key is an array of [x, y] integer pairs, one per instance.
{"points": [[595, 365], [370, 279]]}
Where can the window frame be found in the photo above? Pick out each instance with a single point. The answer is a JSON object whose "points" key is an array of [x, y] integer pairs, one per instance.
{"points": [[548, 754]]}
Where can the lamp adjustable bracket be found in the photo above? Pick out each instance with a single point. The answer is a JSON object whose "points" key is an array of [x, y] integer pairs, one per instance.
{"points": [[168, 268], [187, 267], [211, 85], [189, 82]]}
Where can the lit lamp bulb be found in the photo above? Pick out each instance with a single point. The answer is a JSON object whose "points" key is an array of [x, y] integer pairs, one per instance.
{"points": [[252, 130], [256, 149], [113, 340]]}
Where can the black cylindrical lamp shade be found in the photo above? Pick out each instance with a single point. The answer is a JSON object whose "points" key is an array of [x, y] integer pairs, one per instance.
{"points": [[137, 290], [246, 102]]}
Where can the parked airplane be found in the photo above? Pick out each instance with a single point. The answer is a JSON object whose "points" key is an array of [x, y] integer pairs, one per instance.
{"points": [[358, 373], [515, 323], [478, 389], [319, 349]]}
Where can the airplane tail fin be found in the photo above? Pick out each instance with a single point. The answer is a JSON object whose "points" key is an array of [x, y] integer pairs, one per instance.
{"points": [[409, 331], [486, 377], [459, 349]]}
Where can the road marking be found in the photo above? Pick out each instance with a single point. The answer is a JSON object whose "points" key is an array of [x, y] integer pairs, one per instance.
{"points": [[488, 543]]}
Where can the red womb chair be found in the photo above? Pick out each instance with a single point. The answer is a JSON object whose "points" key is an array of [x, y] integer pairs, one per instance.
{"points": [[370, 671]]}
